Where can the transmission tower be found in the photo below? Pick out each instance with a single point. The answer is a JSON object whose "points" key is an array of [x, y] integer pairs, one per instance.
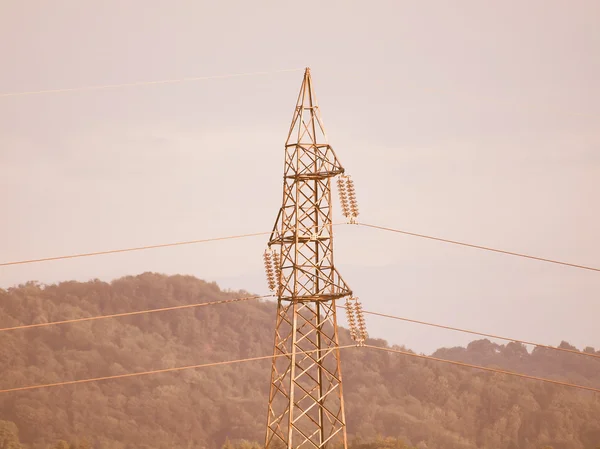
{"points": [[306, 407]]}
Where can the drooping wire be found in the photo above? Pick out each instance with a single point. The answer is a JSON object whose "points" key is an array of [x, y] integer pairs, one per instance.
{"points": [[158, 371], [138, 248], [143, 83], [484, 368], [138, 312], [350, 313], [482, 334], [271, 356], [191, 242], [485, 248]]}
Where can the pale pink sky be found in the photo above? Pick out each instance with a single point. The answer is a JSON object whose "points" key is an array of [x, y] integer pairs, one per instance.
{"points": [[469, 120]]}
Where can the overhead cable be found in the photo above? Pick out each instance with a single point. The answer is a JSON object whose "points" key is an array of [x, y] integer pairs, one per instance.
{"points": [[137, 248], [485, 248], [484, 368], [482, 334], [271, 356], [249, 298], [158, 371], [144, 83], [138, 312]]}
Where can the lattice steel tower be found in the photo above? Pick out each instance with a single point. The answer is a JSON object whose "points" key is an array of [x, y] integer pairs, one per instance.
{"points": [[306, 407]]}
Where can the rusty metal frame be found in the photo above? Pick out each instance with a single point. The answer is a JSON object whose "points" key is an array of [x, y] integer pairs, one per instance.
{"points": [[306, 407]]}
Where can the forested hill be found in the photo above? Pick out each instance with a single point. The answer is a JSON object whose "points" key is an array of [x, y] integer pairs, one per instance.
{"points": [[421, 403]]}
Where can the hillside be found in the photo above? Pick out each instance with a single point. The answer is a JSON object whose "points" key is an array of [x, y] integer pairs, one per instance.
{"points": [[423, 403]]}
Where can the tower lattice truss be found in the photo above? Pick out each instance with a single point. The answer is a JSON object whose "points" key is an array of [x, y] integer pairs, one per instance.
{"points": [[306, 407]]}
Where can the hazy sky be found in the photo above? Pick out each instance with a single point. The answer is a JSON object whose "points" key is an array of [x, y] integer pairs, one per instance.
{"points": [[469, 120]]}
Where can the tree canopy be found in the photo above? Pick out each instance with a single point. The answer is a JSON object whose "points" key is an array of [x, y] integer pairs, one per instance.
{"points": [[392, 401]]}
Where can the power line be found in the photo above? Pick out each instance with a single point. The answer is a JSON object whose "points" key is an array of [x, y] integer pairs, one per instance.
{"points": [[143, 83], [271, 356], [165, 370], [441, 326], [139, 312], [249, 298], [484, 368], [485, 248], [138, 248]]}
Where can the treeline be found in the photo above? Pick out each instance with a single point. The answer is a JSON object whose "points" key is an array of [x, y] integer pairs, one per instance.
{"points": [[392, 401]]}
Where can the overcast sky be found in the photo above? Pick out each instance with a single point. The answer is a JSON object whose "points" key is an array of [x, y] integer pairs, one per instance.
{"points": [[469, 120]]}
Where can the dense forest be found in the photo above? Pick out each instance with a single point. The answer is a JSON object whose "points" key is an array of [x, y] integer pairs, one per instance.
{"points": [[392, 401]]}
